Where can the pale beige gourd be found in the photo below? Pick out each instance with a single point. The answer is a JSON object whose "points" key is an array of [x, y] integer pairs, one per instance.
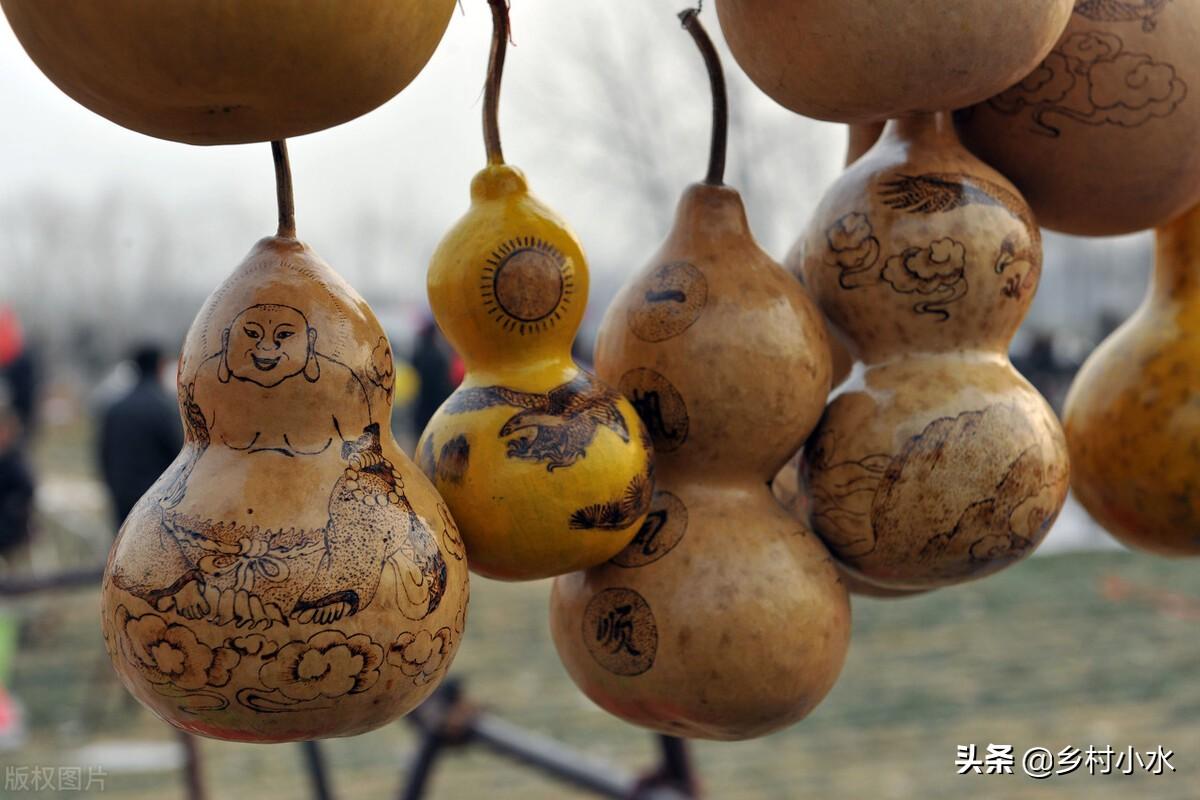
{"points": [[724, 618], [1101, 136], [790, 489], [869, 60], [788, 485], [292, 575], [860, 139], [206, 72], [936, 462]]}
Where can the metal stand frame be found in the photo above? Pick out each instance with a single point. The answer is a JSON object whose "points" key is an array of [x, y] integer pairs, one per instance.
{"points": [[447, 721]]}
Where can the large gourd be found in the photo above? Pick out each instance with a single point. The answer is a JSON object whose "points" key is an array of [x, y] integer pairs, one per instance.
{"points": [[869, 60], [546, 469], [292, 575], [1101, 137], [936, 462], [1133, 414], [725, 618], [208, 72]]}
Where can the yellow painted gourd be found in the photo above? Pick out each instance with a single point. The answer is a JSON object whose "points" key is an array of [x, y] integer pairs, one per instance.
{"points": [[207, 72], [292, 575], [1133, 414], [545, 468], [725, 618], [935, 462]]}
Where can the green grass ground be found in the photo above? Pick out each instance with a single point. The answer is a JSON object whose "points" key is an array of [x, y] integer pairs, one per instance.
{"points": [[1066, 650], [1072, 650]]}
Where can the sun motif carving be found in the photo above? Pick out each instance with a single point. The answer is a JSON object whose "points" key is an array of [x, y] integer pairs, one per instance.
{"points": [[527, 285]]}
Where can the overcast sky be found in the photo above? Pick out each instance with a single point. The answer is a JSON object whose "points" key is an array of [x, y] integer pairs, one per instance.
{"points": [[409, 162], [407, 165]]}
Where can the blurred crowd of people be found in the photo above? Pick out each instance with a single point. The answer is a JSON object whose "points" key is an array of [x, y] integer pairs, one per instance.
{"points": [[18, 390]]}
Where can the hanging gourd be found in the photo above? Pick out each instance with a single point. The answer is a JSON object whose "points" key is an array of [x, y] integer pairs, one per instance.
{"points": [[861, 138], [792, 492], [546, 468], [870, 60], [724, 618], [203, 72], [936, 462], [1133, 413], [292, 575], [1101, 137], [789, 485]]}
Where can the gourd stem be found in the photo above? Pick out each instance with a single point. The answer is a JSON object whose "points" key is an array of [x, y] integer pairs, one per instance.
{"points": [[491, 90], [283, 190], [716, 78]]}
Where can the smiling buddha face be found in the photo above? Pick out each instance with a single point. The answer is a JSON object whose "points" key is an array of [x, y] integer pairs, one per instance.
{"points": [[266, 344]]}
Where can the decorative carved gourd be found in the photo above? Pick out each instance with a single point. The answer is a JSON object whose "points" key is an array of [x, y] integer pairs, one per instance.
{"points": [[546, 469], [793, 494], [936, 462], [292, 575], [861, 138], [1101, 137], [724, 618]]}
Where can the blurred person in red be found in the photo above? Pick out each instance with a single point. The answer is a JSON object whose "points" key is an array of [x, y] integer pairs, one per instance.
{"points": [[18, 371], [16, 480], [16, 528]]}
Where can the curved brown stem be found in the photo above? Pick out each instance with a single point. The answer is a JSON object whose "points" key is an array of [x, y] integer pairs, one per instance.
{"points": [[491, 90], [716, 78], [283, 190]]}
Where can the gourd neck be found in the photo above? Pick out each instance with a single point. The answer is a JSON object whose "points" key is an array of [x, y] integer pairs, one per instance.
{"points": [[706, 213], [924, 128], [498, 182], [1177, 259], [969, 354], [539, 374]]}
